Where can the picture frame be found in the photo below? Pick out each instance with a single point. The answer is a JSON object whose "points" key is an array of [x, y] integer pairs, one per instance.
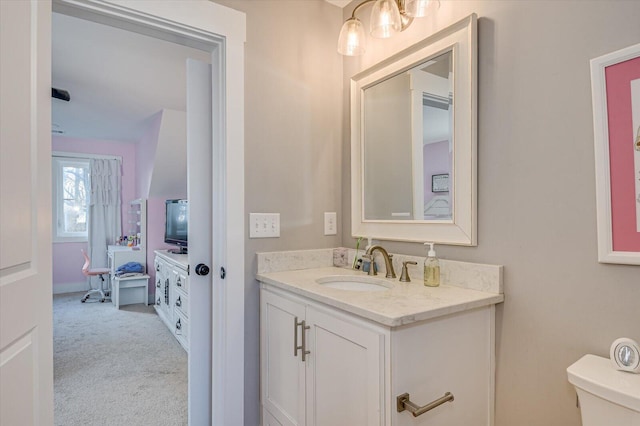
{"points": [[440, 182], [615, 85]]}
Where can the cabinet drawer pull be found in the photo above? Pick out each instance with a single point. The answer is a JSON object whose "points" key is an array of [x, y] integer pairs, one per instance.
{"points": [[403, 403], [179, 283], [178, 325], [302, 347], [178, 302], [158, 284], [158, 302]]}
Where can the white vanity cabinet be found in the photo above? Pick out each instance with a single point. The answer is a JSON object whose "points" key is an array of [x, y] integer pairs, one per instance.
{"points": [[338, 382], [452, 353], [356, 368], [172, 293]]}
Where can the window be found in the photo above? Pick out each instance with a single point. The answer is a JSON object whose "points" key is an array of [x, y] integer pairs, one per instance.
{"points": [[70, 199]]}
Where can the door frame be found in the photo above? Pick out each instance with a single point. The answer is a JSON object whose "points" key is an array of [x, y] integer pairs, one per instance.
{"points": [[222, 31]]}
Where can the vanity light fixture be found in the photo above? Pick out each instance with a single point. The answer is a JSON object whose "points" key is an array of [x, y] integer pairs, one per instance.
{"points": [[388, 17]]}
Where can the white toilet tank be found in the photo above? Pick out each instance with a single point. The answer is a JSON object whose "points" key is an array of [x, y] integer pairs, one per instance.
{"points": [[608, 397]]}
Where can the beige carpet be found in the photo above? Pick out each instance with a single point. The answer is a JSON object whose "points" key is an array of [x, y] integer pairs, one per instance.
{"points": [[115, 367]]}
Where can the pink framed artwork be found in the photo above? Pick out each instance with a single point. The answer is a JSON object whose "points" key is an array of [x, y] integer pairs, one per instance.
{"points": [[615, 84]]}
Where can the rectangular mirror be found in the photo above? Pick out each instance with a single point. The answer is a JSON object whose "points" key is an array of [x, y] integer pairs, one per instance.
{"points": [[413, 141]]}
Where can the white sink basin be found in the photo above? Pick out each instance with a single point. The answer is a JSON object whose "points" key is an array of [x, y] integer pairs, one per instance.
{"points": [[354, 283]]}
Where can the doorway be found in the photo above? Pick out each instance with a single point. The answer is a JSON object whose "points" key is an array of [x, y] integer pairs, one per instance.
{"points": [[219, 30]]}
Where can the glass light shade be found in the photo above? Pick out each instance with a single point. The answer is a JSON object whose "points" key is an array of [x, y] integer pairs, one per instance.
{"points": [[352, 38], [416, 8], [385, 19]]}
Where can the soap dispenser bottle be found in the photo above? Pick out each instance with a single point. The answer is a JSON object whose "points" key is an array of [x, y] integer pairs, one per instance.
{"points": [[431, 268]]}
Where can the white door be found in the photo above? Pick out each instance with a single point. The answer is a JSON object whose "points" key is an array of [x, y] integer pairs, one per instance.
{"points": [[26, 370], [199, 192], [281, 365], [345, 371], [26, 355]]}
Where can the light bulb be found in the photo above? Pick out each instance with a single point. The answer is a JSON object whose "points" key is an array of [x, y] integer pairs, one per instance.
{"points": [[385, 19], [352, 38]]}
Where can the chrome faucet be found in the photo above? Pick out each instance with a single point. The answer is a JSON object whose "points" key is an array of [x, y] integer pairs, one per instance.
{"points": [[388, 264]]}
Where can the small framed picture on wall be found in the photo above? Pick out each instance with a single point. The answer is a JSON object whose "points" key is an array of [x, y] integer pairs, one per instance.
{"points": [[615, 84], [440, 183]]}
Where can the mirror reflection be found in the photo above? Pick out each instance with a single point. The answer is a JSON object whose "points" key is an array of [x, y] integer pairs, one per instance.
{"points": [[408, 144]]}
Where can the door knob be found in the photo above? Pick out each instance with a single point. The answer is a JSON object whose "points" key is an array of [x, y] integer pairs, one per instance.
{"points": [[202, 269]]}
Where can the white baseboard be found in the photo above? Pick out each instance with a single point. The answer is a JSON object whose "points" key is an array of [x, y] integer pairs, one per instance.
{"points": [[70, 287]]}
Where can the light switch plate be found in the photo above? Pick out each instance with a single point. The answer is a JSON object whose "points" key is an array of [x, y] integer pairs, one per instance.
{"points": [[264, 225], [330, 223]]}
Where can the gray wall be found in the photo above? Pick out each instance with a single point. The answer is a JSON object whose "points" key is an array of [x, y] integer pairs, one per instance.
{"points": [[536, 174], [536, 192], [293, 139]]}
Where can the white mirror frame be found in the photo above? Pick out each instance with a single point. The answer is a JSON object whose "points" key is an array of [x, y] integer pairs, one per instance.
{"points": [[461, 38]]}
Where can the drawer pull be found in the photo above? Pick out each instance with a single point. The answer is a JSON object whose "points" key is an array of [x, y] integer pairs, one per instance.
{"points": [[158, 284], [179, 283], [178, 302], [158, 302], [178, 325], [403, 403]]}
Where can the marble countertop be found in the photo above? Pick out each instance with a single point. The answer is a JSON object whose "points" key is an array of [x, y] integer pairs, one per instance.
{"points": [[403, 303]]}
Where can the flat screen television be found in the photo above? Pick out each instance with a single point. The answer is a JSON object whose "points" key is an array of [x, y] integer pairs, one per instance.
{"points": [[176, 225]]}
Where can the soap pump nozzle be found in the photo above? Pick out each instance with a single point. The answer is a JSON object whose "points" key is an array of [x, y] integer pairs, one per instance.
{"points": [[432, 252]]}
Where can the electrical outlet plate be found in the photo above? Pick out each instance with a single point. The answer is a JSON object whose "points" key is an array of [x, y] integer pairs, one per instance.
{"points": [[264, 225], [330, 223]]}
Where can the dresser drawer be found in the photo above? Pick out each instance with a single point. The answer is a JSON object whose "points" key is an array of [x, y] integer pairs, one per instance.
{"points": [[181, 329], [180, 280], [181, 303]]}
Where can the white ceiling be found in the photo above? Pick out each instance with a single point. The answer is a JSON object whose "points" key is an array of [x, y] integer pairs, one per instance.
{"points": [[117, 79], [339, 3]]}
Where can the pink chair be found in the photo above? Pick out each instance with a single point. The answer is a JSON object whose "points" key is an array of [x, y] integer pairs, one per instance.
{"points": [[92, 273]]}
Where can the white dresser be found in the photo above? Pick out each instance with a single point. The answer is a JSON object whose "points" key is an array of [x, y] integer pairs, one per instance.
{"points": [[172, 293]]}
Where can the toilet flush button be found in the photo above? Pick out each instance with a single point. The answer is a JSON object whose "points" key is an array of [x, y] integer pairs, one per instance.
{"points": [[625, 355]]}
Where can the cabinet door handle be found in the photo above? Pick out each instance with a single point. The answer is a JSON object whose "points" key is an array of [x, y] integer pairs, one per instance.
{"points": [[403, 403], [303, 330], [295, 336], [303, 327]]}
